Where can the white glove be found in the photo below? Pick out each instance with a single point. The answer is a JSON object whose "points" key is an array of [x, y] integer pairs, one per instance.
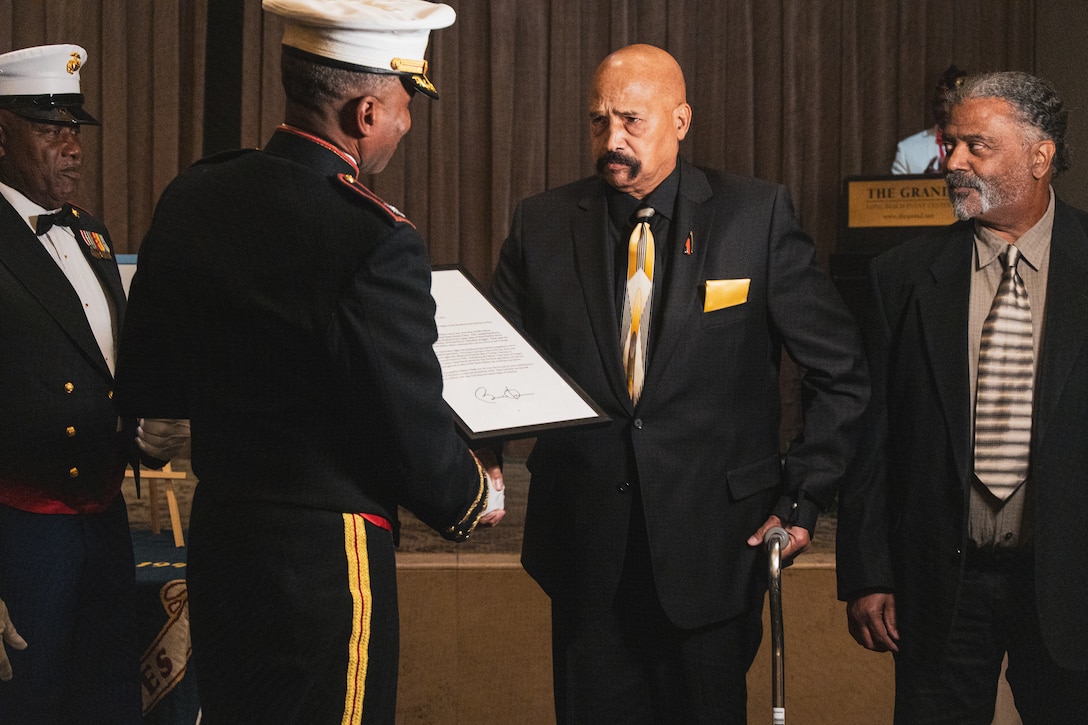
{"points": [[496, 498], [496, 502], [162, 438], [8, 636]]}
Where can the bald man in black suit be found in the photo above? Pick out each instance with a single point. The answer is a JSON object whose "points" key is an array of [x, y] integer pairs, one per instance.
{"points": [[645, 532]]}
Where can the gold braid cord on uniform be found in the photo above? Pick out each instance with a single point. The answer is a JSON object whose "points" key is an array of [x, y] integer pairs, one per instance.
{"points": [[464, 527], [362, 601]]}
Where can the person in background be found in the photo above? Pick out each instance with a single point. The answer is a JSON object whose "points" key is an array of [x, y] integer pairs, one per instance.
{"points": [[923, 152], [962, 540], [668, 292], [284, 309]]}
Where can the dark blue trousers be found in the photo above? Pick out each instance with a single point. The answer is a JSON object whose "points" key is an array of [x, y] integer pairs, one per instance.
{"points": [[69, 583]]}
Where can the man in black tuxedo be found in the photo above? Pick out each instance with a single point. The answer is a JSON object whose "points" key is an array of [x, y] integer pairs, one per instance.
{"points": [[962, 541], [67, 576], [646, 531]]}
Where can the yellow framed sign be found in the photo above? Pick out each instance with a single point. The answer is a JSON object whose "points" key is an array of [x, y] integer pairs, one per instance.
{"points": [[897, 201]]}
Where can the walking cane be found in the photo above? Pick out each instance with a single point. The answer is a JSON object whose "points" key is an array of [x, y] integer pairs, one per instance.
{"points": [[776, 539]]}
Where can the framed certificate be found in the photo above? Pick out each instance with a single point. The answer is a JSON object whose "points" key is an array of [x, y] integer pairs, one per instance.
{"points": [[496, 382]]}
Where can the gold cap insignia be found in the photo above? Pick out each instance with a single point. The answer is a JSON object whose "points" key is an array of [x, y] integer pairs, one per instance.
{"points": [[417, 71], [74, 63], [424, 83]]}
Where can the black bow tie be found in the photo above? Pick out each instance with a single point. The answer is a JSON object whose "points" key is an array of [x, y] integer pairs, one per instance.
{"points": [[63, 218]]}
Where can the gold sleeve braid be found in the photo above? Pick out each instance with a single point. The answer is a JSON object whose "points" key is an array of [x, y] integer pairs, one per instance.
{"points": [[461, 530]]}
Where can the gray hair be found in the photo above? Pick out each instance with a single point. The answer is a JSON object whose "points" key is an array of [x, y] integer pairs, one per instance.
{"points": [[315, 85], [1035, 101]]}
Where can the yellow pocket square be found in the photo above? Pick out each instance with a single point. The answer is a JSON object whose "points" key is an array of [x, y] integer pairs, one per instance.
{"points": [[722, 293]]}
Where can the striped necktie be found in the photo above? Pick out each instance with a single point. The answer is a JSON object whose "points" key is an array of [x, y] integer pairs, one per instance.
{"points": [[636, 301], [1005, 380]]}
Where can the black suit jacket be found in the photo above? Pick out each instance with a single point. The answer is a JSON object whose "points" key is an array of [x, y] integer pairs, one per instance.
{"points": [[58, 423], [703, 442], [903, 521], [286, 311]]}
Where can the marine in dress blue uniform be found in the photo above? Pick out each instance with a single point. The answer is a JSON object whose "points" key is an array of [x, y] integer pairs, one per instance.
{"points": [[285, 309], [66, 564]]}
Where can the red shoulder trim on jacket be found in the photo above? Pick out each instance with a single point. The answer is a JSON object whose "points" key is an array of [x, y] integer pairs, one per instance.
{"points": [[359, 188], [320, 142]]}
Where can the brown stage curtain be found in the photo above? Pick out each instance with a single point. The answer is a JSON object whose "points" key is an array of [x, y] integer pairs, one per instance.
{"points": [[803, 92]]}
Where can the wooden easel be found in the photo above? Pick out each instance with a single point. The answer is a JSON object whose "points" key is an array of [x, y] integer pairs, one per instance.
{"points": [[167, 475]]}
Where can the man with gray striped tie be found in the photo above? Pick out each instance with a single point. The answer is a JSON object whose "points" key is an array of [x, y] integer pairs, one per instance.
{"points": [[962, 538]]}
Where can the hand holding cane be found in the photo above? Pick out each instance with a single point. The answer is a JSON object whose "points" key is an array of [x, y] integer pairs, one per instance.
{"points": [[776, 540]]}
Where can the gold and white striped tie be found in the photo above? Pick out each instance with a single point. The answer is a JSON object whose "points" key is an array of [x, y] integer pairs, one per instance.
{"points": [[636, 301], [1005, 381]]}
